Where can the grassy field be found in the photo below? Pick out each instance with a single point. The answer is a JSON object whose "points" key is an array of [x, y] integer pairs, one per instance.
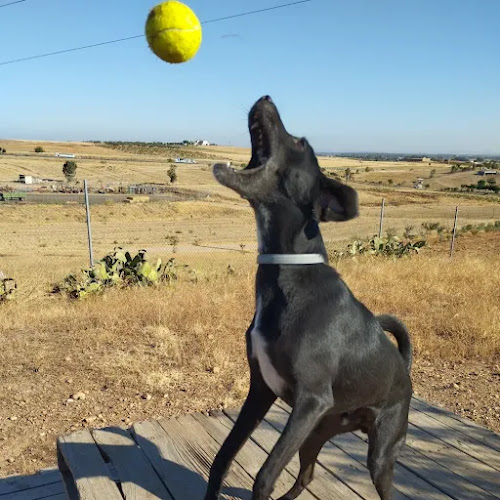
{"points": [[145, 353]]}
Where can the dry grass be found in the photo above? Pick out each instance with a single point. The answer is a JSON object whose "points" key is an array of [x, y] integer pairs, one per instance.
{"points": [[184, 345], [449, 306]]}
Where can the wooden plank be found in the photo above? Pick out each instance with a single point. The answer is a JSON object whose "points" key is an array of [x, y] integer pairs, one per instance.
{"points": [[406, 482], [44, 491], [181, 453], [458, 440], [453, 485], [84, 470], [18, 483], [463, 425], [199, 450], [454, 460], [412, 485], [325, 485], [251, 457], [137, 477], [159, 448]]}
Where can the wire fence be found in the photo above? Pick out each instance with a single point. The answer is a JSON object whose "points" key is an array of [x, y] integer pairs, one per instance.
{"points": [[58, 238]]}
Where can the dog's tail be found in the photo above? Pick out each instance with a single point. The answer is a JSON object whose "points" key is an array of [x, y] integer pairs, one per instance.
{"points": [[395, 326]]}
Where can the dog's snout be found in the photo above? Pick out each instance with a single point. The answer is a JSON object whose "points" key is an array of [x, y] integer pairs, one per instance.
{"points": [[267, 98]]}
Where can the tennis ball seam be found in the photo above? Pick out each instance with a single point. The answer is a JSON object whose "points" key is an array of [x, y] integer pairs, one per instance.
{"points": [[183, 30]]}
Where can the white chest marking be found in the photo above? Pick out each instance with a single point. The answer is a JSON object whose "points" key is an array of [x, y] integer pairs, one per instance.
{"points": [[259, 351]]}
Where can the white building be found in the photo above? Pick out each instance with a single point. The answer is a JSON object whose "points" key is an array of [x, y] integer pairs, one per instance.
{"points": [[26, 179], [202, 143]]}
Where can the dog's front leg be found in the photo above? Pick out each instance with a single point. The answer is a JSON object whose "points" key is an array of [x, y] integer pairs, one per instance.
{"points": [[310, 406], [259, 400]]}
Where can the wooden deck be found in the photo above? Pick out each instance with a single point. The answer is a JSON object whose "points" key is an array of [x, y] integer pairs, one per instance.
{"points": [[445, 458]]}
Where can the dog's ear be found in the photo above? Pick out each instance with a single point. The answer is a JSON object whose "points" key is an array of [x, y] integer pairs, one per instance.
{"points": [[337, 202]]}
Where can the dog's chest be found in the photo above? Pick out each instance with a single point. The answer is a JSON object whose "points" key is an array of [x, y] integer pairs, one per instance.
{"points": [[260, 352]]}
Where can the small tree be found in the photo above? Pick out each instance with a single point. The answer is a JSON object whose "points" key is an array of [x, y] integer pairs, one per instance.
{"points": [[172, 173], [69, 170], [347, 173], [481, 184], [39, 149]]}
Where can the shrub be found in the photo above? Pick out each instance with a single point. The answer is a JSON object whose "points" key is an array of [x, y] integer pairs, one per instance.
{"points": [[69, 170], [409, 231], [39, 149], [432, 226], [7, 288], [474, 229], [117, 269], [174, 241], [172, 173], [390, 181]]}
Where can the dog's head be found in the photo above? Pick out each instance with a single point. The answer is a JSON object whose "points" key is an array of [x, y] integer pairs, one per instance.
{"points": [[284, 170]]}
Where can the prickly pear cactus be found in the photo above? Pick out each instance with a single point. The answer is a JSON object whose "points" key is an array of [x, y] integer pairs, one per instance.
{"points": [[391, 246], [118, 268]]}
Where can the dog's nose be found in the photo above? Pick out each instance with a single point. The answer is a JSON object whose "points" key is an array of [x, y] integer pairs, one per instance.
{"points": [[267, 98]]}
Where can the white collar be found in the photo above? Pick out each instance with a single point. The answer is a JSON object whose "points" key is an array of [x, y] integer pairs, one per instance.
{"points": [[290, 258]]}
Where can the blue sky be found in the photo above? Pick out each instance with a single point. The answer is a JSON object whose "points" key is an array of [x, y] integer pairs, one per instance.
{"points": [[350, 75]]}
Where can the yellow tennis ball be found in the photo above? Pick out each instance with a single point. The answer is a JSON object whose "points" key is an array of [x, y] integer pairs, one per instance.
{"points": [[173, 32]]}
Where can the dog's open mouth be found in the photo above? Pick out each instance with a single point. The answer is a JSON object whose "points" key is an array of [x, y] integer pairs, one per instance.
{"points": [[261, 146]]}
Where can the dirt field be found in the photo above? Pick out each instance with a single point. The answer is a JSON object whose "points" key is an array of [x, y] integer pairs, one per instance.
{"points": [[130, 355], [105, 166]]}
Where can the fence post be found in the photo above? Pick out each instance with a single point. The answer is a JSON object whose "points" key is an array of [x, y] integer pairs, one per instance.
{"points": [[381, 224], [89, 227], [452, 247]]}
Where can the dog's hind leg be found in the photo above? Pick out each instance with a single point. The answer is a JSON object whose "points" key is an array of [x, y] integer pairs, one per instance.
{"points": [[259, 400], [386, 438], [307, 412]]}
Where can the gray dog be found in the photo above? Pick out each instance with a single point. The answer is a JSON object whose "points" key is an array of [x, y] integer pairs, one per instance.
{"points": [[311, 342]]}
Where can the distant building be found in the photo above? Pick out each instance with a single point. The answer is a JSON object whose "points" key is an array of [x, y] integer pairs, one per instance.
{"points": [[26, 179], [487, 172], [65, 155], [202, 143], [184, 160]]}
